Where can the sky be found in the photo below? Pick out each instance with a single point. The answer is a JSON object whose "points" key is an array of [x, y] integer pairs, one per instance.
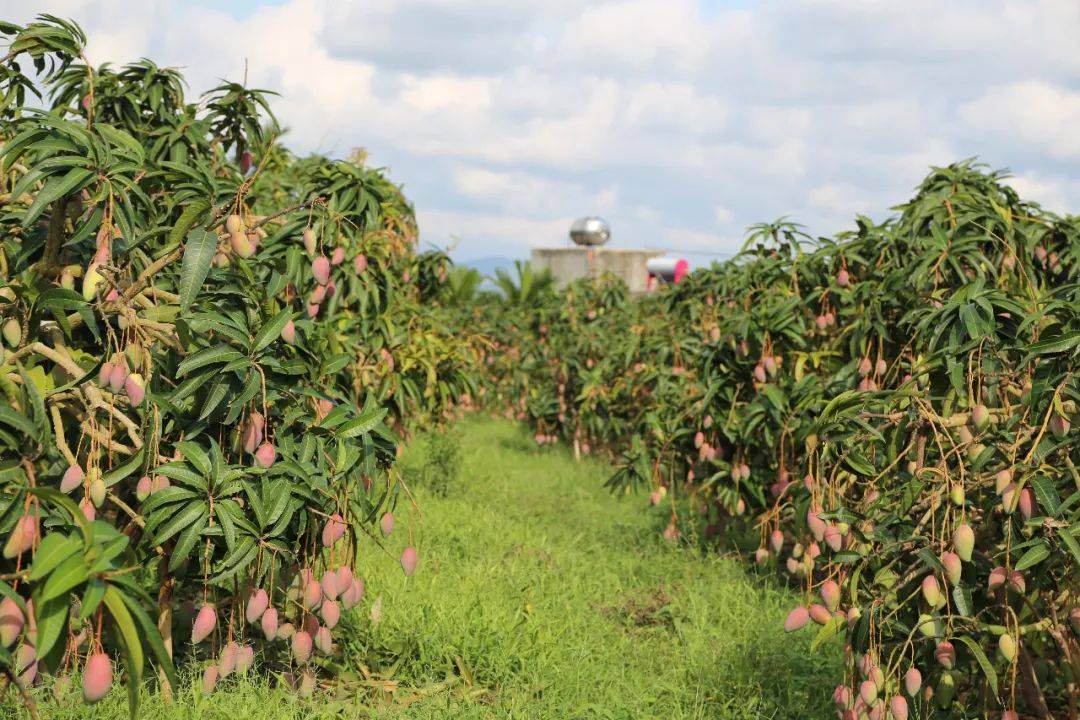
{"points": [[682, 122]]}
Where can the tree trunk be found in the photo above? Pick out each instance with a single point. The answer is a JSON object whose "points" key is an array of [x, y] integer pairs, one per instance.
{"points": [[1029, 684], [165, 621]]}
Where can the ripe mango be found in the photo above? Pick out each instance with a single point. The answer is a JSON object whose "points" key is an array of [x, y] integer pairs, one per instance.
{"points": [[97, 677], [953, 566], [265, 455], [912, 681], [12, 332], [72, 479], [945, 654], [796, 619], [11, 622], [409, 560], [320, 269], [258, 602], [269, 623], [23, 536], [301, 646], [205, 622], [964, 541], [209, 679]]}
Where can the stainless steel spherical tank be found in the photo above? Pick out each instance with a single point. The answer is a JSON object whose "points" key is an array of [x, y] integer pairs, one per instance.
{"points": [[590, 231]]}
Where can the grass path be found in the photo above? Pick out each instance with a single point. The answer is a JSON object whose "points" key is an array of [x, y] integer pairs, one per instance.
{"points": [[539, 595]]}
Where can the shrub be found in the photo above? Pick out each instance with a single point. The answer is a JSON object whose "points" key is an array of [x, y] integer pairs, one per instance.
{"points": [[890, 408], [209, 346]]}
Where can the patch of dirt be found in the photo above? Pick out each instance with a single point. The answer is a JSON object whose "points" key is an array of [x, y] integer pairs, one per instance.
{"points": [[645, 608]]}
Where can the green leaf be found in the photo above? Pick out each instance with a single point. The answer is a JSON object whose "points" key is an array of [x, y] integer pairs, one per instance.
{"points": [[51, 617], [70, 574], [185, 542], [17, 421], [54, 549], [828, 631], [196, 455], [1073, 545], [214, 397], [92, 597], [55, 497], [122, 139], [1053, 345], [334, 364], [217, 355], [984, 663], [859, 464], [775, 396], [125, 470], [365, 423], [237, 560], [1035, 555], [186, 221], [55, 188], [223, 511], [931, 560], [271, 331], [962, 597], [199, 254], [1046, 494], [194, 513], [152, 637], [131, 644]]}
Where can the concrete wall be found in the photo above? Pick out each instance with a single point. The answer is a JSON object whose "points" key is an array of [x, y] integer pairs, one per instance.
{"points": [[571, 263]]}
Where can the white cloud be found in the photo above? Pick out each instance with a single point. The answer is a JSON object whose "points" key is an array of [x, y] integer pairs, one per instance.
{"points": [[638, 35], [507, 119], [428, 94], [1051, 191], [532, 195], [1037, 113], [478, 234]]}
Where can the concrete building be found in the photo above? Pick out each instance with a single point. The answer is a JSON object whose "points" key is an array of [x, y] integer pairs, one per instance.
{"points": [[571, 263], [587, 257]]}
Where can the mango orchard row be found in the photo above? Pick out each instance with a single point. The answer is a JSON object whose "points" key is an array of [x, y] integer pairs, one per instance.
{"points": [[210, 346], [888, 411]]}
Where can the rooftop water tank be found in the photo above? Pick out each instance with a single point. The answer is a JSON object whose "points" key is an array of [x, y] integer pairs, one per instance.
{"points": [[589, 231], [668, 269]]}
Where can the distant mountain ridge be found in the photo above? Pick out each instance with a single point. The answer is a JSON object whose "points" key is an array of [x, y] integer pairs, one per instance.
{"points": [[488, 265]]}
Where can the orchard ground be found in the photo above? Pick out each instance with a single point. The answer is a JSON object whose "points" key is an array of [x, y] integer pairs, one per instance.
{"points": [[539, 595]]}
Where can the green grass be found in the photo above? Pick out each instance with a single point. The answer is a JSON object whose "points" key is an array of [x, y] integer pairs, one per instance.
{"points": [[539, 595]]}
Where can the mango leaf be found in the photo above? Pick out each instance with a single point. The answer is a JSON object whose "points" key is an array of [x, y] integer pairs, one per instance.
{"points": [[931, 560], [55, 497], [55, 548], [92, 597], [152, 637], [187, 221], [51, 617], [198, 257], [1073, 545], [216, 355], [70, 574], [1033, 556], [362, 424], [194, 513], [984, 663], [828, 631], [270, 331], [130, 644], [962, 597], [194, 454], [1046, 494]]}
